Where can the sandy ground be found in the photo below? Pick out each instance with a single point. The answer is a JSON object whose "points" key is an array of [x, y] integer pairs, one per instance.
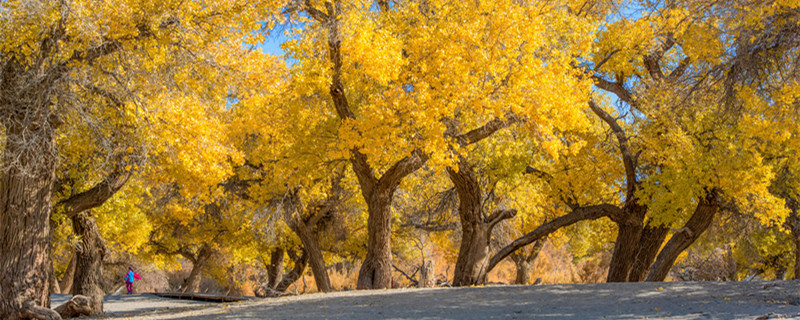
{"points": [[675, 300]]}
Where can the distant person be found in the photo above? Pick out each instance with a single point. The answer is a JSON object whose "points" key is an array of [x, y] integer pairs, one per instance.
{"points": [[130, 278]]}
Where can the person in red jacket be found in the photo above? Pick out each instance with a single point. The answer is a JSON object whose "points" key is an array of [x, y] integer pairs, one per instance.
{"points": [[129, 278]]}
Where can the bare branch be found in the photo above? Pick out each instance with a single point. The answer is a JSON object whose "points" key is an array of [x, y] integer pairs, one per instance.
{"points": [[628, 158]]}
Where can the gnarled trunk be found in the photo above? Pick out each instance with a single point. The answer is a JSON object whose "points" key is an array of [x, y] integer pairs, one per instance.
{"points": [[376, 270], [476, 227], [627, 243], [649, 244], [89, 253], [29, 160], [473, 255], [697, 224]]}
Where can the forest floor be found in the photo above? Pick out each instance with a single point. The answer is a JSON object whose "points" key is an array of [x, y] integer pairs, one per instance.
{"points": [[668, 300]]}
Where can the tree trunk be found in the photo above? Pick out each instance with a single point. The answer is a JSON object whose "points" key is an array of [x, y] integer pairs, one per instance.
{"points": [[524, 263], [627, 244], [476, 227], [275, 267], [89, 253], [650, 243], [697, 224], [796, 239], [315, 258], [54, 287], [473, 254], [427, 275], [376, 270], [29, 160], [69, 276], [793, 224], [192, 283], [297, 271]]}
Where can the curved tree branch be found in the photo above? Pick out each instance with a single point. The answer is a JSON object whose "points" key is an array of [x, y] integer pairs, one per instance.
{"points": [[579, 214], [628, 159]]}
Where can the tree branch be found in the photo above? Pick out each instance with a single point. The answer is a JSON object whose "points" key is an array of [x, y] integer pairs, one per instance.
{"points": [[485, 130], [98, 194], [616, 88], [628, 158], [391, 178], [579, 214], [498, 216]]}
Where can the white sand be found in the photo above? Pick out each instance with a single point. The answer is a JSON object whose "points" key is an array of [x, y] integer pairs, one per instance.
{"points": [[674, 300]]}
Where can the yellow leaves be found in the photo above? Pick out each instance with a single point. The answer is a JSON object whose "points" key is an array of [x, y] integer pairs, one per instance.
{"points": [[623, 44]]}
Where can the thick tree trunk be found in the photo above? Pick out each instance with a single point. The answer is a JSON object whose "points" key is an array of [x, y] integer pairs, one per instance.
{"points": [[376, 270], [275, 267], [192, 283], [300, 263], [627, 244], [29, 159], [89, 253], [315, 258], [476, 227], [650, 243], [473, 256], [69, 276], [686, 236]]}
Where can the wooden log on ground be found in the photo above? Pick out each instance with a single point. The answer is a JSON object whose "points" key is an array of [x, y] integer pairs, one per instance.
{"points": [[77, 306]]}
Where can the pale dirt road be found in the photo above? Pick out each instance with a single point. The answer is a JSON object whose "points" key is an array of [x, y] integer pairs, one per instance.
{"points": [[673, 300]]}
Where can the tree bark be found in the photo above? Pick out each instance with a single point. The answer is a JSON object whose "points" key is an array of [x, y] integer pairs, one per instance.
{"points": [[69, 276], [29, 161], [89, 253], [476, 227], [473, 253], [275, 267], [626, 246], [376, 269], [652, 238], [686, 236]]}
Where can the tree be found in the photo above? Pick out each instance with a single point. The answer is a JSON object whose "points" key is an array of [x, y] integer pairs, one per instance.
{"points": [[687, 148], [48, 50]]}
